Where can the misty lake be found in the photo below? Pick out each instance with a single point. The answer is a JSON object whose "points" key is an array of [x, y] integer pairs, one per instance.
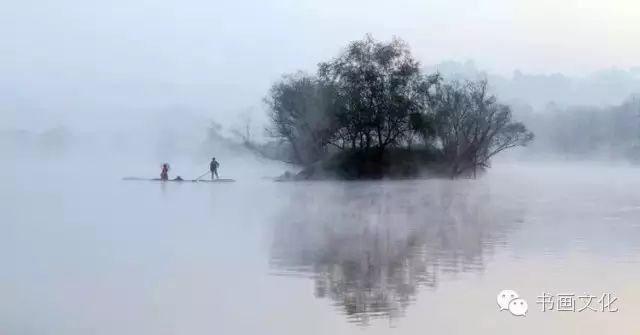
{"points": [[89, 255]]}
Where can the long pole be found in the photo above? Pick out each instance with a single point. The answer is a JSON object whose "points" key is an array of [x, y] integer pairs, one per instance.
{"points": [[204, 174]]}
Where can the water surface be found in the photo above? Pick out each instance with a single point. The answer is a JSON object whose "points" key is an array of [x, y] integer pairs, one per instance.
{"points": [[103, 256]]}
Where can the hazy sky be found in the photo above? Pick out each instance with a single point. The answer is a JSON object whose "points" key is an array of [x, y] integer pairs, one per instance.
{"points": [[113, 62]]}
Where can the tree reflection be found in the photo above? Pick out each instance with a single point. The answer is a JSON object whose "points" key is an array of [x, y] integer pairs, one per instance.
{"points": [[370, 248]]}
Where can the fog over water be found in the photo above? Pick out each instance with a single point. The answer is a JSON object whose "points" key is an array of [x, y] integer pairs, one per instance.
{"points": [[101, 256], [92, 92]]}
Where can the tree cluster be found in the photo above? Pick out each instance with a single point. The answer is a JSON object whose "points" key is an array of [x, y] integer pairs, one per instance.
{"points": [[373, 98]]}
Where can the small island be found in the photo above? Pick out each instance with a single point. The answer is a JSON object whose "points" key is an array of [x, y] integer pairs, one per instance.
{"points": [[371, 113]]}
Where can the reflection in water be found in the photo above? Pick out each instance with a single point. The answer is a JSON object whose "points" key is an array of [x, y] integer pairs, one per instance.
{"points": [[370, 247]]}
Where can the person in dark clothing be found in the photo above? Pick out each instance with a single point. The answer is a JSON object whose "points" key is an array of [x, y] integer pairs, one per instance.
{"points": [[214, 168], [164, 175]]}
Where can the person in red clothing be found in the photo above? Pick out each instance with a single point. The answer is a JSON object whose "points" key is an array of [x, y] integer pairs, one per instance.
{"points": [[164, 175]]}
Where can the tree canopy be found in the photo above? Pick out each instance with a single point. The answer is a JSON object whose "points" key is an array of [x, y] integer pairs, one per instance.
{"points": [[374, 98]]}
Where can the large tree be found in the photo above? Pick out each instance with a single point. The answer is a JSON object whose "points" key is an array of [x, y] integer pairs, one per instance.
{"points": [[302, 114], [379, 86], [472, 126]]}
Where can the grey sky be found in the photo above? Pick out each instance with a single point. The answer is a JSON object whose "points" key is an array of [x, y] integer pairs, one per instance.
{"points": [[114, 62]]}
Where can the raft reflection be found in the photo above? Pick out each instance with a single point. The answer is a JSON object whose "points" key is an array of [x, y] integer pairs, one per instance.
{"points": [[370, 247]]}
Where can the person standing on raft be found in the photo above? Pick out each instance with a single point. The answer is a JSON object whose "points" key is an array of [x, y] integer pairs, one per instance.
{"points": [[164, 175], [213, 167]]}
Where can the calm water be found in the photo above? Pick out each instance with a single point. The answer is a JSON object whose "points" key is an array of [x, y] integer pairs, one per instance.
{"points": [[88, 255]]}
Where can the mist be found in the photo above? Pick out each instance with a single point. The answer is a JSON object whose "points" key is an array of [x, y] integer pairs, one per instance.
{"points": [[475, 147], [92, 66]]}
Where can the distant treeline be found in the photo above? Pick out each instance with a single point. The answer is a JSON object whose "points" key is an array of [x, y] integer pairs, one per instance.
{"points": [[600, 88], [371, 112], [586, 132], [53, 141]]}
